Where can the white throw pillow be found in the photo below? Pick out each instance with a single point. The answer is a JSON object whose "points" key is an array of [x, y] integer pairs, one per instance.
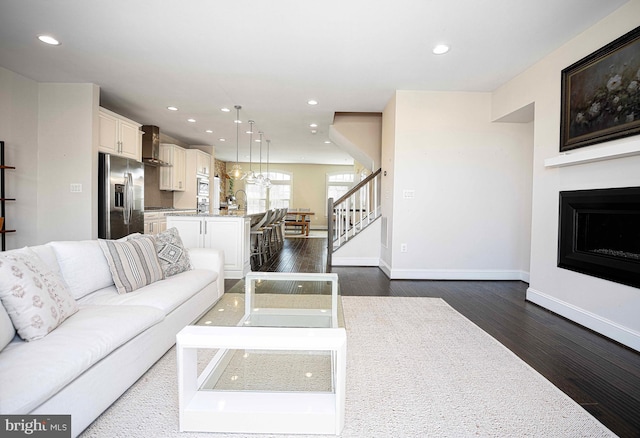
{"points": [[133, 263], [83, 266], [174, 257], [36, 298], [7, 330]]}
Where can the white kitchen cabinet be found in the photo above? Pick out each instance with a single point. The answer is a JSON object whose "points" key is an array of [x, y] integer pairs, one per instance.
{"points": [[230, 234], [194, 165], [173, 178], [190, 229], [154, 223], [203, 161], [119, 136]]}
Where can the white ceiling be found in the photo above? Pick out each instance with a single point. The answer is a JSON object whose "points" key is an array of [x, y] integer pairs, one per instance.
{"points": [[271, 56]]}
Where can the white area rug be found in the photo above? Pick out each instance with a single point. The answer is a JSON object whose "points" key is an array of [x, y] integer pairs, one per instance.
{"points": [[415, 368]]}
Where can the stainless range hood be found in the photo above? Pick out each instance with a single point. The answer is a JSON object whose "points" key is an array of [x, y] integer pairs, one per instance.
{"points": [[151, 147]]}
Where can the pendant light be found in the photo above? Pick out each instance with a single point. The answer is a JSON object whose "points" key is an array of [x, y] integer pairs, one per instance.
{"points": [[267, 181], [260, 177], [236, 169], [250, 176]]}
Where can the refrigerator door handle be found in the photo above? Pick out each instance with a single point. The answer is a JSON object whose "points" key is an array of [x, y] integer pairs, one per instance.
{"points": [[128, 197], [106, 181]]}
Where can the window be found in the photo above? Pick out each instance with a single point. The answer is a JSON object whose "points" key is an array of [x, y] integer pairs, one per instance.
{"points": [[278, 196], [338, 184]]}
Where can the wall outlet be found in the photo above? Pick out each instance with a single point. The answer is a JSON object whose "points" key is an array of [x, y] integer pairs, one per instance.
{"points": [[403, 247]]}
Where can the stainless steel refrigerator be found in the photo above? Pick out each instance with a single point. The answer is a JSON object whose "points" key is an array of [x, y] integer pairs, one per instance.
{"points": [[120, 197]]}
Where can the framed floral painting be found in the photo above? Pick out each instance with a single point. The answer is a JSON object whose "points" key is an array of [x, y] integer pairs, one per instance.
{"points": [[601, 95]]}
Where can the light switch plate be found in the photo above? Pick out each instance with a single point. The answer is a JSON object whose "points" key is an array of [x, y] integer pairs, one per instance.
{"points": [[76, 188]]}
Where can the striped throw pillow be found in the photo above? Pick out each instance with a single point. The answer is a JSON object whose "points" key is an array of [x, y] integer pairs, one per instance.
{"points": [[133, 263]]}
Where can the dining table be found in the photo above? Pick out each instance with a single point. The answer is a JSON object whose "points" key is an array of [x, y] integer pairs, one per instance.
{"points": [[299, 219]]}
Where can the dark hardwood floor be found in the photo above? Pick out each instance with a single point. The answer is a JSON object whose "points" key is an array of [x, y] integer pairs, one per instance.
{"points": [[599, 374]]}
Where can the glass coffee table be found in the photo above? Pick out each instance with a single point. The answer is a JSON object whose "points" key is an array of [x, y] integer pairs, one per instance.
{"points": [[271, 360]]}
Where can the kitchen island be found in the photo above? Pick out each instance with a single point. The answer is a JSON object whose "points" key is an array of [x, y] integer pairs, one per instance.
{"points": [[227, 230]]}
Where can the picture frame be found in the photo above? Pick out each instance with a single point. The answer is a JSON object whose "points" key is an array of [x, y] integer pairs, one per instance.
{"points": [[601, 95]]}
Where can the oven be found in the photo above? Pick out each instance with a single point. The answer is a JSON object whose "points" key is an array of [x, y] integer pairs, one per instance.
{"points": [[203, 204], [203, 187]]}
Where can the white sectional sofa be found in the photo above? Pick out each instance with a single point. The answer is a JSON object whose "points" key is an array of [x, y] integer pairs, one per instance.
{"points": [[84, 364]]}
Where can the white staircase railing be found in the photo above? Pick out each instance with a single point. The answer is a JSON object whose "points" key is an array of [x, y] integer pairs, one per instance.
{"points": [[353, 212]]}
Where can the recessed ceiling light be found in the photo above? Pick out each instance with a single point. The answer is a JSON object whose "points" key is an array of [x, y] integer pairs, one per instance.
{"points": [[312, 102], [191, 120], [172, 108], [222, 139], [327, 142], [209, 131], [48, 39], [225, 110], [313, 125], [440, 49], [314, 131]]}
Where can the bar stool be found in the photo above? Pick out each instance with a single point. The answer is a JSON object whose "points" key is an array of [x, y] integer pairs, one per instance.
{"points": [[269, 232], [278, 229], [258, 247]]}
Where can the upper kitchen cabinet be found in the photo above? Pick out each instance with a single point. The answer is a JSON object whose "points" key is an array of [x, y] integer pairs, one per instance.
{"points": [[173, 178], [203, 161], [119, 136]]}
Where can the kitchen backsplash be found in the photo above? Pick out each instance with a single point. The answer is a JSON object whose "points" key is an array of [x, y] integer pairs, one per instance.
{"points": [[153, 196]]}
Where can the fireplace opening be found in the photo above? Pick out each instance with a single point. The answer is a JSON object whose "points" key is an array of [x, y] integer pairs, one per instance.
{"points": [[599, 233]]}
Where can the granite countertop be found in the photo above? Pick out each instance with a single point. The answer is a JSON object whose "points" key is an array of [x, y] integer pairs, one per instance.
{"points": [[218, 213], [164, 209]]}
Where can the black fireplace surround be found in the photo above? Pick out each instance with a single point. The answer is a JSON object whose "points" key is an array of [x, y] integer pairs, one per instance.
{"points": [[599, 233]]}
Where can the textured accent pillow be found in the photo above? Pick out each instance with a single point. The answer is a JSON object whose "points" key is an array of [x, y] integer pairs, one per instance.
{"points": [[36, 298], [133, 263], [174, 257]]}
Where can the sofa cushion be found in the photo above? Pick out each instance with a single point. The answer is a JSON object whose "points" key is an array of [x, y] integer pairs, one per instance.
{"points": [[78, 343], [7, 330], [36, 298], [165, 295], [133, 263], [83, 266], [174, 257], [48, 256]]}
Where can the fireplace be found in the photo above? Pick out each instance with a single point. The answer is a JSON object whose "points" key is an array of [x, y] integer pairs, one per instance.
{"points": [[599, 233]]}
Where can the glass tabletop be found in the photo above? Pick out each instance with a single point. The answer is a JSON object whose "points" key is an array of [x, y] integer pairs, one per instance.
{"points": [[277, 300]]}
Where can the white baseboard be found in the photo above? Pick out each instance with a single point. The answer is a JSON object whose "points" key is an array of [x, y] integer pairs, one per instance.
{"points": [[601, 325], [385, 268], [355, 261], [457, 274]]}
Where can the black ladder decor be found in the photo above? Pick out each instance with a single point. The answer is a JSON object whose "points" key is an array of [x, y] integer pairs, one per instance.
{"points": [[3, 167]]}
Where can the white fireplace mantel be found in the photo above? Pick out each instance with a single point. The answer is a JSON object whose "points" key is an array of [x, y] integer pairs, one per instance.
{"points": [[572, 158]]}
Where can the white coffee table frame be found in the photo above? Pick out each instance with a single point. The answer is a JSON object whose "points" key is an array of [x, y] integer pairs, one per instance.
{"points": [[262, 412]]}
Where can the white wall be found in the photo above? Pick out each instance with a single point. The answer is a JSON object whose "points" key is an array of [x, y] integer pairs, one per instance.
{"points": [[607, 307], [387, 184], [359, 135], [68, 154], [471, 182], [19, 131]]}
